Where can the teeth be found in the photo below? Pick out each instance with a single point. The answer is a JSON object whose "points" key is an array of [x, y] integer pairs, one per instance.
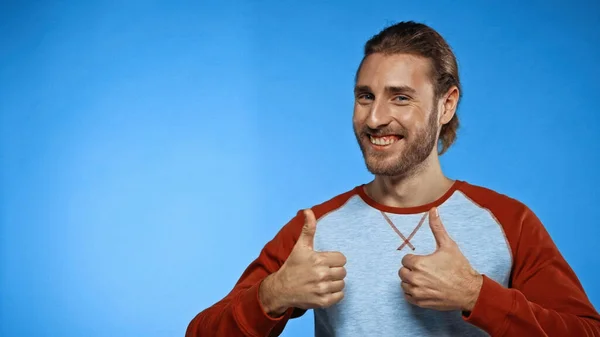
{"points": [[383, 140]]}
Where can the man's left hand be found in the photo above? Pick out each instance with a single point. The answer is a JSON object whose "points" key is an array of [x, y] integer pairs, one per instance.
{"points": [[443, 280]]}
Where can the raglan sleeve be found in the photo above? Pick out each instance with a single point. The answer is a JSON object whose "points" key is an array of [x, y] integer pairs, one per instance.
{"points": [[545, 297], [241, 313]]}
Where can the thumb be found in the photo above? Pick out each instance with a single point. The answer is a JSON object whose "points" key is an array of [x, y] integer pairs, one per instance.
{"points": [[437, 228], [307, 236]]}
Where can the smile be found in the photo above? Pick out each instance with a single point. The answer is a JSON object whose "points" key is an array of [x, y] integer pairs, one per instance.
{"points": [[380, 141]]}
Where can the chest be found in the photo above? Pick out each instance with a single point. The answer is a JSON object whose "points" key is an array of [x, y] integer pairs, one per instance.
{"points": [[374, 245]]}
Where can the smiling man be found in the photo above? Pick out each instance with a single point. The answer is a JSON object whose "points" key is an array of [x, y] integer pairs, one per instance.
{"points": [[411, 253]]}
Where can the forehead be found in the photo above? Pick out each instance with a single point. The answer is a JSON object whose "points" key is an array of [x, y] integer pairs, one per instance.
{"points": [[379, 71]]}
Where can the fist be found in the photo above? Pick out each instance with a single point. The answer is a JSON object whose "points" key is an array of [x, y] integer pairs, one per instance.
{"points": [[443, 280]]}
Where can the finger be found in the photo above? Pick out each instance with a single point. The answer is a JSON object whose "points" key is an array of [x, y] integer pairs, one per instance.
{"points": [[410, 299], [333, 259], [440, 234], [307, 236], [337, 273], [328, 300], [409, 261], [414, 294], [408, 289], [406, 275], [336, 286]]}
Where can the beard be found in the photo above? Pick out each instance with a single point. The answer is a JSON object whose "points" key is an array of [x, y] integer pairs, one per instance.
{"points": [[410, 158]]}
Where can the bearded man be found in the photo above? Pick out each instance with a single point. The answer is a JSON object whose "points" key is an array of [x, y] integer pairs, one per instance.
{"points": [[413, 252]]}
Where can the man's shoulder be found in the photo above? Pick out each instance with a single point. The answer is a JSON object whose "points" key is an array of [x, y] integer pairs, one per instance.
{"points": [[320, 209], [334, 203], [493, 200]]}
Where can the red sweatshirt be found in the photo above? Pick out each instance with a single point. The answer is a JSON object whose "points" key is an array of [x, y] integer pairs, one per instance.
{"points": [[528, 289]]}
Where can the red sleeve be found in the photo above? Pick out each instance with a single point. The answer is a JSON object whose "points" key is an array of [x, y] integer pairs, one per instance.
{"points": [[545, 297], [241, 313]]}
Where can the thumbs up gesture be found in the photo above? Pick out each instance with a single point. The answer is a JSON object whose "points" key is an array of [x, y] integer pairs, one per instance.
{"points": [[308, 279], [443, 280]]}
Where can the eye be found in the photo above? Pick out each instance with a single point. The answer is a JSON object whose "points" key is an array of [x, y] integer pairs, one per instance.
{"points": [[364, 97], [401, 98]]}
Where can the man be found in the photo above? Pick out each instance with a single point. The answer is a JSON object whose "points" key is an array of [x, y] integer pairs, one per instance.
{"points": [[412, 253]]}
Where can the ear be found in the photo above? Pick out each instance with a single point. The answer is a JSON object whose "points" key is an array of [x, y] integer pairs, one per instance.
{"points": [[448, 105]]}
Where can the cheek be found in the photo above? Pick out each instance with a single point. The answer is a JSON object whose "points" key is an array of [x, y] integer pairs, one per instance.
{"points": [[410, 117], [356, 124], [359, 116]]}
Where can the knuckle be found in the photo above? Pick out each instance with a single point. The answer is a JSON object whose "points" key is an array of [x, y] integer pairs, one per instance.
{"points": [[417, 280], [323, 301], [419, 264], [316, 259], [322, 288], [322, 274]]}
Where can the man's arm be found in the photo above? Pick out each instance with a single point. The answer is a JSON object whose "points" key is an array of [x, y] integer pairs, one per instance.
{"points": [[545, 297], [241, 312]]}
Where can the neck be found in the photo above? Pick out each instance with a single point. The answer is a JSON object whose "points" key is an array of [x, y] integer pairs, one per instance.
{"points": [[424, 185]]}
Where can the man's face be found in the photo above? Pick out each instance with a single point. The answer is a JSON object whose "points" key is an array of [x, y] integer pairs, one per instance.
{"points": [[395, 116]]}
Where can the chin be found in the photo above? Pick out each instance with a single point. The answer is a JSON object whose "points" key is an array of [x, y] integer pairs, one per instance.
{"points": [[384, 166]]}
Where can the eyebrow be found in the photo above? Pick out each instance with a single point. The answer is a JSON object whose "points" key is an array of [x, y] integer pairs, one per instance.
{"points": [[389, 89]]}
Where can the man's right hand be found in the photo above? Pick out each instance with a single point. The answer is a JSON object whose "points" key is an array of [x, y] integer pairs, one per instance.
{"points": [[308, 279]]}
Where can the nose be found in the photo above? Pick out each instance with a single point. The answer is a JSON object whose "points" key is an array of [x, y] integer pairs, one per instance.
{"points": [[379, 115]]}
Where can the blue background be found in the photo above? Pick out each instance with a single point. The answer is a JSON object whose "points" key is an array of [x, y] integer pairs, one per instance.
{"points": [[150, 149]]}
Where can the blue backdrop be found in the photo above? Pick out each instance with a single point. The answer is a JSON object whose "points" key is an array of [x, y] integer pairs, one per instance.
{"points": [[150, 149]]}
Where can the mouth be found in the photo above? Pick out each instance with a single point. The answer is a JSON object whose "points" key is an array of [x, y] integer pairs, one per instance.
{"points": [[382, 142]]}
